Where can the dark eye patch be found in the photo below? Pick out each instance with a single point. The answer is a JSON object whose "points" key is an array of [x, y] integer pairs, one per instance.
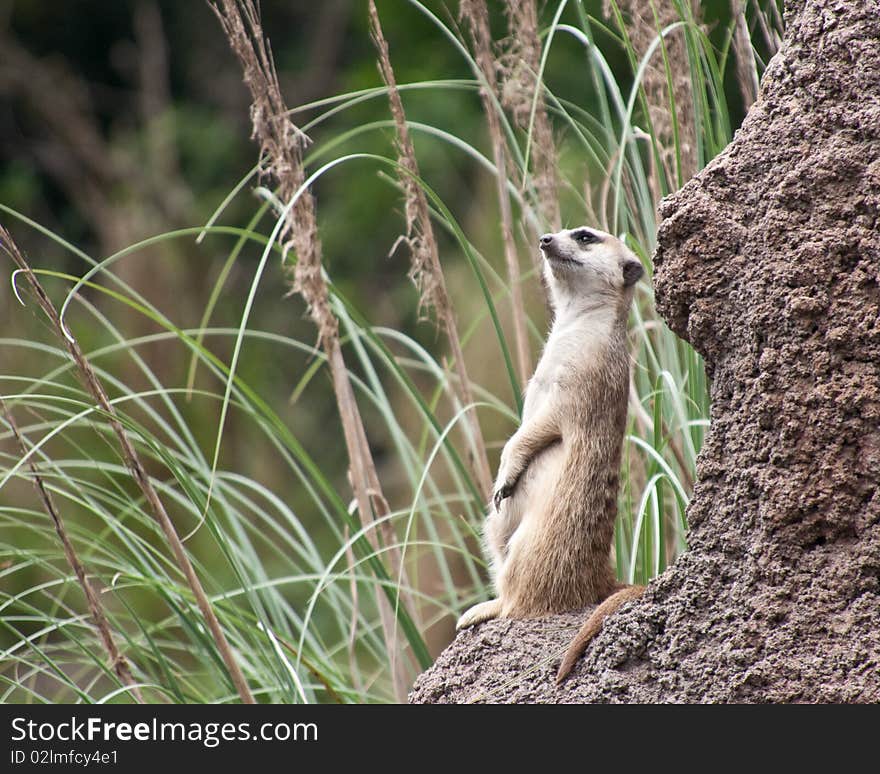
{"points": [[585, 237]]}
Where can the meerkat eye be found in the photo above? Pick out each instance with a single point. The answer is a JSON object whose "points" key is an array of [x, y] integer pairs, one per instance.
{"points": [[584, 237]]}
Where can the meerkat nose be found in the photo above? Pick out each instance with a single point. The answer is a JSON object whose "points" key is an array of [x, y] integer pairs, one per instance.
{"points": [[546, 240]]}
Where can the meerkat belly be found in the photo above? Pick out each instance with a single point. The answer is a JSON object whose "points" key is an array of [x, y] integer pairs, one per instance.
{"points": [[503, 525], [521, 516]]}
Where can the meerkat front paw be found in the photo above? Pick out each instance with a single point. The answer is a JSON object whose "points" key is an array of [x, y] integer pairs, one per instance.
{"points": [[508, 476], [484, 611]]}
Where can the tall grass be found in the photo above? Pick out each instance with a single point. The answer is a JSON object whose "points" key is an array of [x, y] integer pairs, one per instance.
{"points": [[295, 570]]}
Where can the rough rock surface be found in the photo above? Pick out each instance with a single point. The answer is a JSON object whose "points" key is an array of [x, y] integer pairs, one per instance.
{"points": [[769, 264]]}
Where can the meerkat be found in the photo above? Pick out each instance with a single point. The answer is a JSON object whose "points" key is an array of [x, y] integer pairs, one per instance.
{"points": [[551, 520]]}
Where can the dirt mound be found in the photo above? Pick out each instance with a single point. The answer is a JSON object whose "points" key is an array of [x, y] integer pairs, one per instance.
{"points": [[769, 264]]}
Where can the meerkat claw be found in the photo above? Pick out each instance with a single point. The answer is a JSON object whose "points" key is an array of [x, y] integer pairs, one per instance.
{"points": [[502, 494]]}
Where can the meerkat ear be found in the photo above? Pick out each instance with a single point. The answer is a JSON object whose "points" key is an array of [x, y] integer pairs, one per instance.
{"points": [[632, 272]]}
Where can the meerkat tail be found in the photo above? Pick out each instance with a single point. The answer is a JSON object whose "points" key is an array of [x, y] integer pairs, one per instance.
{"points": [[592, 626]]}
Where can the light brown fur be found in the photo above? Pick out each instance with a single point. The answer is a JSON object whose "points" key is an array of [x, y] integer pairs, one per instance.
{"points": [[551, 522]]}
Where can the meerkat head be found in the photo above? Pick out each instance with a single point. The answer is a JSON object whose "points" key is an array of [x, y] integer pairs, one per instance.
{"points": [[584, 261]]}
